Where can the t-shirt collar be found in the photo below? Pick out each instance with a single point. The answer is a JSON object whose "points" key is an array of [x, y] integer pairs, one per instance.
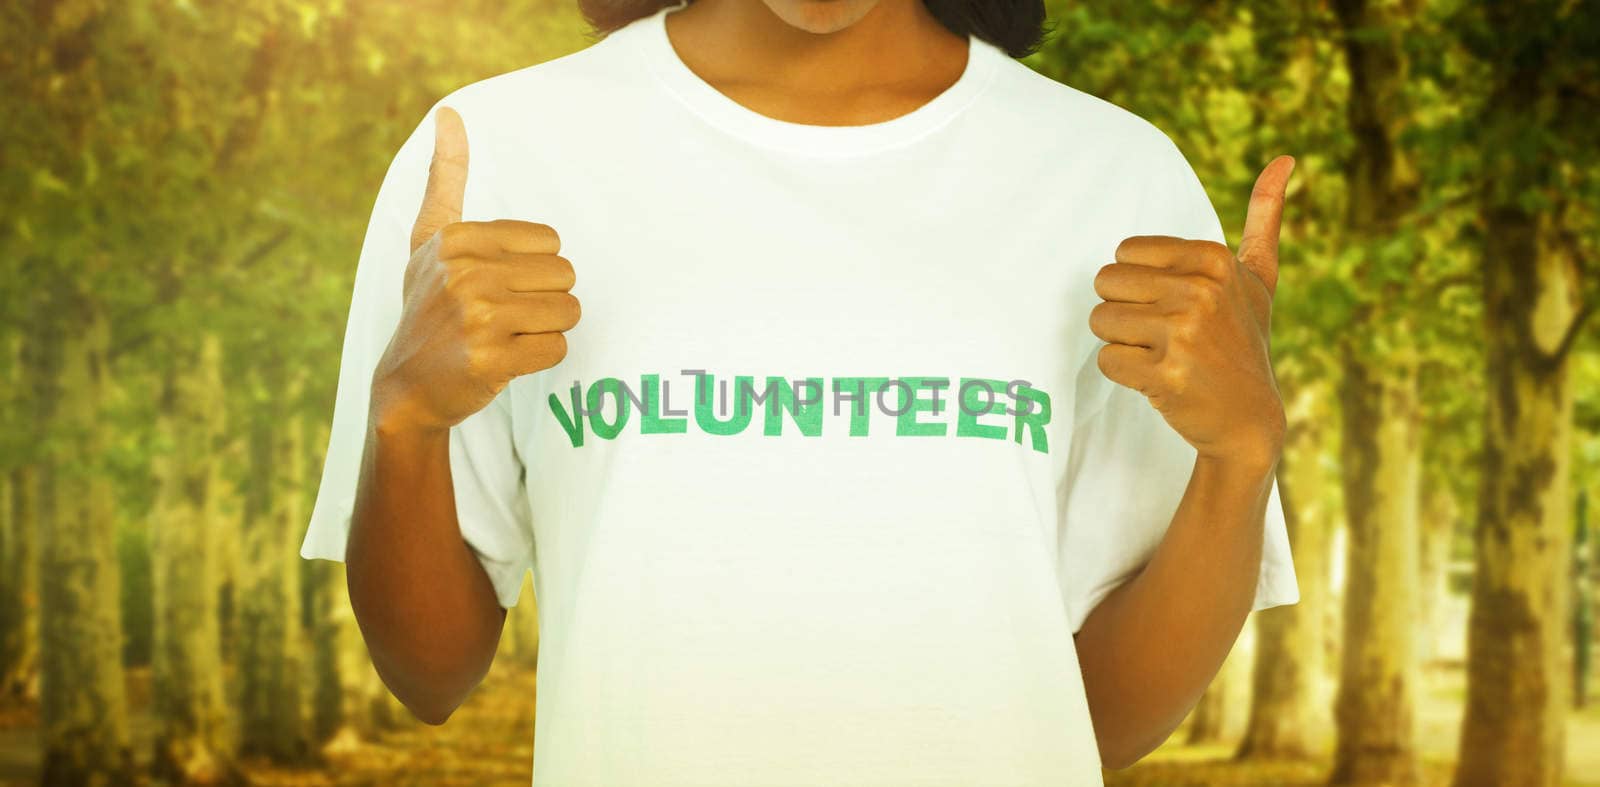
{"points": [[654, 46]]}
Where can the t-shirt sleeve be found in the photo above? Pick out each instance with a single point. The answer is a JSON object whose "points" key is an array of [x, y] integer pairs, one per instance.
{"points": [[1127, 468], [486, 470]]}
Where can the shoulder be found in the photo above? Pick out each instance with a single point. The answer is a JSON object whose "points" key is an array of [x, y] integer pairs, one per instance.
{"points": [[603, 64], [511, 109], [1111, 167], [583, 78], [1064, 117]]}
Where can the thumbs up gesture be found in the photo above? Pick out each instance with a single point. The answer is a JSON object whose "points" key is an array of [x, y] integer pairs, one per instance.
{"points": [[1187, 324], [483, 302]]}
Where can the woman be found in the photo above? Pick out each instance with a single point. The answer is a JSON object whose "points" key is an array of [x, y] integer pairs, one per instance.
{"points": [[835, 481]]}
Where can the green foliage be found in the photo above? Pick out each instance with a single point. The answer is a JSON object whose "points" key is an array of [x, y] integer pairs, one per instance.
{"points": [[1235, 83], [186, 164]]}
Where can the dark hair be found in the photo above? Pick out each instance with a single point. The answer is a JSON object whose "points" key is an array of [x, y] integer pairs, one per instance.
{"points": [[1016, 26]]}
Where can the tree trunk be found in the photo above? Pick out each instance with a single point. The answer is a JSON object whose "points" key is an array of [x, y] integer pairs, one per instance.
{"points": [[1583, 603], [193, 742], [1517, 685], [1374, 710], [1209, 722], [273, 702], [327, 701], [1438, 533], [10, 590], [19, 560], [1216, 718], [1286, 681], [82, 695], [19, 640], [227, 552], [330, 617]]}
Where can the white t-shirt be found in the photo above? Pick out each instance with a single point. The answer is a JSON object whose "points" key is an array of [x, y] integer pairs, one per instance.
{"points": [[847, 581]]}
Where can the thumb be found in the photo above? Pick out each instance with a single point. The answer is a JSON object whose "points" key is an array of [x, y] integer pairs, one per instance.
{"points": [[447, 178], [1258, 246]]}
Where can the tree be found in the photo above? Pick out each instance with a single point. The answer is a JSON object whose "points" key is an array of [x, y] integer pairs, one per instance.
{"points": [[1380, 421], [167, 166], [1531, 71], [83, 701], [1289, 640], [273, 696], [1214, 718], [1235, 84], [19, 565], [1583, 605], [193, 740]]}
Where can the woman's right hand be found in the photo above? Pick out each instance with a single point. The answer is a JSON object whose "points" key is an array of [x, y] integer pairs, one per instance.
{"points": [[484, 302]]}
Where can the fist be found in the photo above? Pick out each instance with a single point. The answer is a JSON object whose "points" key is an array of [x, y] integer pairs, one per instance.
{"points": [[483, 302], [1187, 324]]}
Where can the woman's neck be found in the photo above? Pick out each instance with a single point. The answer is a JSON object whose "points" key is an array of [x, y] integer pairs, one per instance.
{"points": [[824, 67]]}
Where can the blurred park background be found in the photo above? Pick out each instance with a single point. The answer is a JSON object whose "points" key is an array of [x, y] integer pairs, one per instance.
{"points": [[185, 186]]}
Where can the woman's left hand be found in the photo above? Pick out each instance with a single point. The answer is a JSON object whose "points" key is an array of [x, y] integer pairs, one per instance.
{"points": [[1188, 325]]}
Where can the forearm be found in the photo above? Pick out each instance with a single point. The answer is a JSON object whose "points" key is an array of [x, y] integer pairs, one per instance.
{"points": [[1150, 648], [425, 606]]}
